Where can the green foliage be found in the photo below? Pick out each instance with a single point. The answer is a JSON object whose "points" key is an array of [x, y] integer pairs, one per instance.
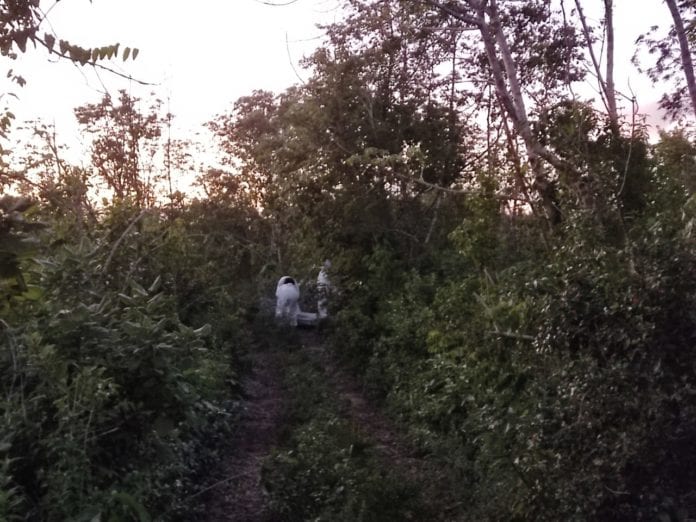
{"points": [[113, 406], [330, 474], [548, 372], [326, 470], [10, 499], [477, 237], [17, 244], [558, 379]]}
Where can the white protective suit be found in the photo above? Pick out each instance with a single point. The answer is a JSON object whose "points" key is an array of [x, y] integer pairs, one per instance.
{"points": [[323, 290], [287, 300]]}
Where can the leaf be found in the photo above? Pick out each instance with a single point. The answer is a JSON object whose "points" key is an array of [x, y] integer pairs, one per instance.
{"points": [[126, 53], [163, 425], [32, 293], [154, 302], [50, 41], [132, 503], [84, 55], [135, 52], [155, 284], [137, 289], [210, 406], [203, 330], [21, 40]]}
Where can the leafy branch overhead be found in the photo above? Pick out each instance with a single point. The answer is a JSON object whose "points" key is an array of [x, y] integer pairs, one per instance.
{"points": [[20, 22], [83, 55]]}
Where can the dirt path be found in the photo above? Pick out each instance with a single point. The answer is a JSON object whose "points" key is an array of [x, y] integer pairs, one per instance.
{"points": [[366, 418], [396, 451], [238, 495]]}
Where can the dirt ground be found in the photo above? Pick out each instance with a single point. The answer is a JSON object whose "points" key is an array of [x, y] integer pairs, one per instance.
{"points": [[238, 495]]}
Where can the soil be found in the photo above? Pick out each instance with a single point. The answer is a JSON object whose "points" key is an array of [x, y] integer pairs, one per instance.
{"points": [[239, 495], [391, 442]]}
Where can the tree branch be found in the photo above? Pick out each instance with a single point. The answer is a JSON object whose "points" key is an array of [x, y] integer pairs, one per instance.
{"points": [[94, 64], [120, 239], [606, 88], [687, 62], [453, 13], [461, 192]]}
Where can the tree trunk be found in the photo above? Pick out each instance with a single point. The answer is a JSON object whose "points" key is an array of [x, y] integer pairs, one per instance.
{"points": [[610, 89], [607, 87], [483, 15], [512, 99], [686, 60]]}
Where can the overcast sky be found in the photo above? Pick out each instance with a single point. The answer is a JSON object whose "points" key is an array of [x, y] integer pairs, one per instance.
{"points": [[201, 55], [204, 54]]}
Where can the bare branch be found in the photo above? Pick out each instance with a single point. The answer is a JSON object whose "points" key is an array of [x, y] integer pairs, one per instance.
{"points": [[512, 335], [606, 88], [431, 228], [287, 48], [120, 239]]}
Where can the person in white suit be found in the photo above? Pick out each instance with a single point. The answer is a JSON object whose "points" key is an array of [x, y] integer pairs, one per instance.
{"points": [[287, 300], [323, 290]]}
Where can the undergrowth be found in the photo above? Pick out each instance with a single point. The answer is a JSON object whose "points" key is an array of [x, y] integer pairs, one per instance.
{"points": [[325, 470]]}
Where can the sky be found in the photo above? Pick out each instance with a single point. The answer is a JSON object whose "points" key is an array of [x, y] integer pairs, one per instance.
{"points": [[202, 55], [199, 55]]}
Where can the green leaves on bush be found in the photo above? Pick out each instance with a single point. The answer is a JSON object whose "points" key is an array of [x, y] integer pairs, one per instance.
{"points": [[110, 402]]}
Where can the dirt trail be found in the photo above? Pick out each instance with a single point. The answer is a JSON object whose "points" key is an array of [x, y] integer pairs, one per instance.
{"points": [[391, 443], [366, 418], [239, 496]]}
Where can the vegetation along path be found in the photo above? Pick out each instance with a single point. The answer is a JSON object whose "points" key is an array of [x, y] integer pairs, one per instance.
{"points": [[344, 451]]}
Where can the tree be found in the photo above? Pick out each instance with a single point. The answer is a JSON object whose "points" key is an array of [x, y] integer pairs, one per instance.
{"points": [[121, 134], [674, 62], [333, 153], [508, 75], [684, 45], [607, 88], [20, 24]]}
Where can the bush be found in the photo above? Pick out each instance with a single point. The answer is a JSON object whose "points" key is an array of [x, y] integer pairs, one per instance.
{"points": [[561, 379], [331, 474], [112, 406]]}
